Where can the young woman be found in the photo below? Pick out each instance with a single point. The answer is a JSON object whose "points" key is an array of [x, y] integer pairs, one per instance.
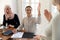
{"points": [[9, 18]]}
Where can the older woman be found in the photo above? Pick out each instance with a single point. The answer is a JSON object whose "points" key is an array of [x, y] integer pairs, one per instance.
{"points": [[9, 18]]}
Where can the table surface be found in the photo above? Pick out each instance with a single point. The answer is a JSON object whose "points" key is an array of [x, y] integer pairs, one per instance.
{"points": [[7, 37]]}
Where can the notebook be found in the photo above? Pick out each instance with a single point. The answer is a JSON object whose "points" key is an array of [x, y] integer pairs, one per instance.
{"points": [[7, 33], [28, 35]]}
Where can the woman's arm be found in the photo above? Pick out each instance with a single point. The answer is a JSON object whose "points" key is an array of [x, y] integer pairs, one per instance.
{"points": [[39, 14], [17, 21], [4, 21]]}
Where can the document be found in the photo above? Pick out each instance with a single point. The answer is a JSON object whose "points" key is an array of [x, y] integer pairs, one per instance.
{"points": [[17, 35]]}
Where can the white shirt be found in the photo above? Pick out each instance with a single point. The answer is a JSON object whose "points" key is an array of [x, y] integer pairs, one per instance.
{"points": [[53, 30], [56, 28], [29, 24]]}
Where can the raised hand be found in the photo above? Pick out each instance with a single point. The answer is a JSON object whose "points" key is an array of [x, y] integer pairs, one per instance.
{"points": [[39, 7], [47, 15]]}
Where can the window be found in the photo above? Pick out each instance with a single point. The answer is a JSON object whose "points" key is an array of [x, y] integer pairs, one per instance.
{"points": [[24, 4], [33, 3]]}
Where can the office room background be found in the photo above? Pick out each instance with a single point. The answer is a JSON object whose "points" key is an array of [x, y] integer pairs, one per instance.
{"points": [[18, 7]]}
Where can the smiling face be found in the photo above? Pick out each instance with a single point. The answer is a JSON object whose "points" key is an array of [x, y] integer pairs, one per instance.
{"points": [[28, 10]]}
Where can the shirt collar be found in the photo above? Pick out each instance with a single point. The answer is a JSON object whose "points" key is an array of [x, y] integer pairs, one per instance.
{"points": [[29, 17]]}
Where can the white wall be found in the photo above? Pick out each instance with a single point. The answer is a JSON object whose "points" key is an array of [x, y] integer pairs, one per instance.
{"points": [[19, 7]]}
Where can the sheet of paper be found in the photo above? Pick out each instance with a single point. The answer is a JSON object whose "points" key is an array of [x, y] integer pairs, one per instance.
{"points": [[17, 35]]}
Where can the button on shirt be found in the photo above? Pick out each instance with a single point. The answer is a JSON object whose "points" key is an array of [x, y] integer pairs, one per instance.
{"points": [[29, 24]]}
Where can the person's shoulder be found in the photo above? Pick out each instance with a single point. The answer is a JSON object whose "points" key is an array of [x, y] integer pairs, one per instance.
{"points": [[15, 14], [4, 15]]}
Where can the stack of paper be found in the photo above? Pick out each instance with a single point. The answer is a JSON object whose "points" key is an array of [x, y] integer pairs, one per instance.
{"points": [[17, 35]]}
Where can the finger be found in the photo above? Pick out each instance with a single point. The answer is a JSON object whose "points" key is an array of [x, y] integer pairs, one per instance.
{"points": [[39, 6], [14, 31]]}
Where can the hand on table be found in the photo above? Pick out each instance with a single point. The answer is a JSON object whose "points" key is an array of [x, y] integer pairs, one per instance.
{"points": [[38, 37], [11, 26], [14, 31]]}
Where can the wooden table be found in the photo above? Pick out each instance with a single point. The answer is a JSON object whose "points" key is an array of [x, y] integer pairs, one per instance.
{"points": [[7, 37]]}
